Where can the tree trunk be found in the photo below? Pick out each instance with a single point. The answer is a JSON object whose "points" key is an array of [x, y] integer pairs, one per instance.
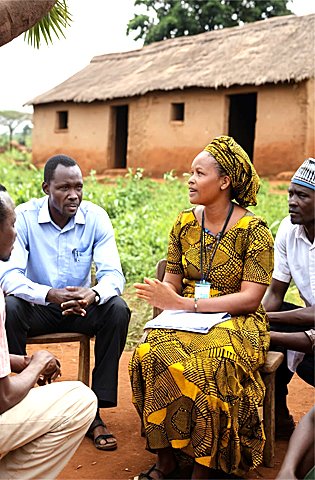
{"points": [[10, 137], [17, 16]]}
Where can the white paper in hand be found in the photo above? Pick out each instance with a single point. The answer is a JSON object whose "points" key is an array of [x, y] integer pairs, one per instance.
{"points": [[188, 321]]}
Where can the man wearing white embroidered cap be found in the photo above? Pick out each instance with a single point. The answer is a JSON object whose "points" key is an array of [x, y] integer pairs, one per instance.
{"points": [[294, 260]]}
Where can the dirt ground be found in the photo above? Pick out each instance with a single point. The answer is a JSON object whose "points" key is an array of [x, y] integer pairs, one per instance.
{"points": [[131, 457]]}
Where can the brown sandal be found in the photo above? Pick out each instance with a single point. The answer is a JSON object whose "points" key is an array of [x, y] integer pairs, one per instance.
{"points": [[97, 422]]}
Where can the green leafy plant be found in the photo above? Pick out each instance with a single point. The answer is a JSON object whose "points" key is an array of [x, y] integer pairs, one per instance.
{"points": [[56, 20], [170, 176], [135, 174]]}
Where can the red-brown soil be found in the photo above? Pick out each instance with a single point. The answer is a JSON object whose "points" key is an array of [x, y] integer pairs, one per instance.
{"points": [[131, 457]]}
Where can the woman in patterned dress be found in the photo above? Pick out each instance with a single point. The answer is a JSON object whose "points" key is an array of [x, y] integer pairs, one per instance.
{"points": [[202, 393]]}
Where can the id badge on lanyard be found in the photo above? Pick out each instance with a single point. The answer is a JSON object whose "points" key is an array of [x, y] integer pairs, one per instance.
{"points": [[202, 289]]}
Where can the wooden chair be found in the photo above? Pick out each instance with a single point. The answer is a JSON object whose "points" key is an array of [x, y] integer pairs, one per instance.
{"points": [[84, 352], [268, 374]]}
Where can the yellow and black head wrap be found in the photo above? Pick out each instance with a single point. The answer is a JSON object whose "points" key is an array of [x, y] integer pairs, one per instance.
{"points": [[236, 163]]}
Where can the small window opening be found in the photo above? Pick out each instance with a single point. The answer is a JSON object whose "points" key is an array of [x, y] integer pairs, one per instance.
{"points": [[62, 120], [178, 111]]}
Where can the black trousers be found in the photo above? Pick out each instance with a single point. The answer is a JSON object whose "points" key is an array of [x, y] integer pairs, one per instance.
{"points": [[107, 322], [305, 369]]}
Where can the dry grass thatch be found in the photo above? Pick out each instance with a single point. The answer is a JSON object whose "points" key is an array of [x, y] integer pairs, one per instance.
{"points": [[280, 49]]}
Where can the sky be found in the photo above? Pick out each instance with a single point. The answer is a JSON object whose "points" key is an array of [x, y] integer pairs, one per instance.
{"points": [[98, 27]]}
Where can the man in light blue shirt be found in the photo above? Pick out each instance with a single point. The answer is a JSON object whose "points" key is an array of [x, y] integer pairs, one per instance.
{"points": [[47, 279]]}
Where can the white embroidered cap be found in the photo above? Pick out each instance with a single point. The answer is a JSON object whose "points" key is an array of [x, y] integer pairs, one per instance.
{"points": [[305, 174]]}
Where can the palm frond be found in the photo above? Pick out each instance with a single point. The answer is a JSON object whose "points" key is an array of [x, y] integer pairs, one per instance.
{"points": [[55, 22]]}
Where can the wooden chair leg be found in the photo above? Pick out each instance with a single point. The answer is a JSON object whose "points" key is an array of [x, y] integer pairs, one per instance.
{"points": [[84, 361], [269, 419]]}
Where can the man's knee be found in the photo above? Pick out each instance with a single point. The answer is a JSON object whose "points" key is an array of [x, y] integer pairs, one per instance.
{"points": [[17, 314], [305, 369], [86, 399], [17, 317], [121, 309], [85, 406], [118, 311], [77, 398], [15, 307]]}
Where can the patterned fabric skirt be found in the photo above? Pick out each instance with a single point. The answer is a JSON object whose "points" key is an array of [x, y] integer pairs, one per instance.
{"points": [[203, 394]]}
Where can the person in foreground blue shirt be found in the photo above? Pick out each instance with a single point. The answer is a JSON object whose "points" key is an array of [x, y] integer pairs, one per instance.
{"points": [[47, 280]]}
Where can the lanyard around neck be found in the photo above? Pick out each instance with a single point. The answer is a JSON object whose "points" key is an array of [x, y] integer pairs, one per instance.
{"points": [[218, 239]]}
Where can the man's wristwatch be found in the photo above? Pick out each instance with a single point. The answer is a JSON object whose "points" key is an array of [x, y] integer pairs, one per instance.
{"points": [[97, 298]]}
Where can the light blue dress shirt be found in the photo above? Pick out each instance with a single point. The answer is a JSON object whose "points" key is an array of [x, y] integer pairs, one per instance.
{"points": [[46, 256]]}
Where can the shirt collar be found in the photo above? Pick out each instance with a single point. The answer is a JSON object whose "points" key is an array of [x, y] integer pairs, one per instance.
{"points": [[300, 233], [44, 215]]}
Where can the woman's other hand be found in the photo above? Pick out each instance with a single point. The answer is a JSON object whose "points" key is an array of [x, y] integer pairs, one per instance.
{"points": [[158, 294]]}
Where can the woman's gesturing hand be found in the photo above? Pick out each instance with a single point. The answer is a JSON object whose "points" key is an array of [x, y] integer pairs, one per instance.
{"points": [[158, 294]]}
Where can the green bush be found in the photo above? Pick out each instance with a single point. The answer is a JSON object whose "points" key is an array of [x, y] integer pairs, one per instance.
{"points": [[142, 212]]}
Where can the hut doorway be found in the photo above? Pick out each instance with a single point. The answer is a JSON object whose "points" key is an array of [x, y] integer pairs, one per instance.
{"points": [[120, 137], [242, 120]]}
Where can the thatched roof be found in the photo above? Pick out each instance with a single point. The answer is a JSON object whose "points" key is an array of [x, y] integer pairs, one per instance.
{"points": [[280, 49]]}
